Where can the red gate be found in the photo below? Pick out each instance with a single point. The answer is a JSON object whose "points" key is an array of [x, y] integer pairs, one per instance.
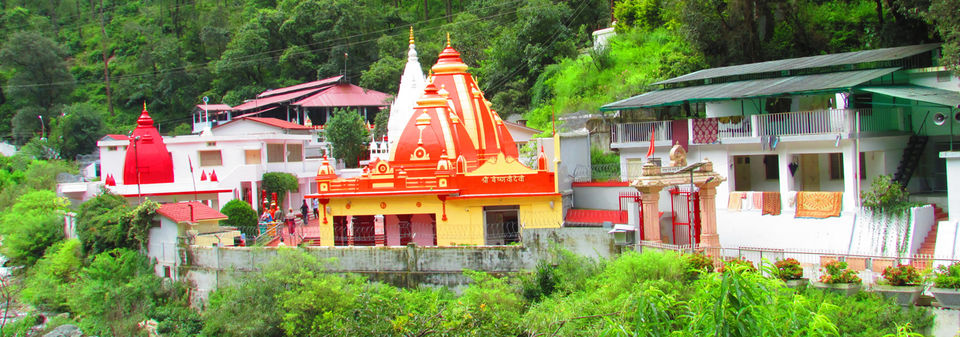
{"points": [[685, 204]]}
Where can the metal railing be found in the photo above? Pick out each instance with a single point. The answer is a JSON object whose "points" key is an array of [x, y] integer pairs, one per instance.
{"points": [[640, 132], [803, 123], [869, 266]]}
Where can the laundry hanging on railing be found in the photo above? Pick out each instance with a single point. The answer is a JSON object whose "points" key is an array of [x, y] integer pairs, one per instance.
{"points": [[771, 203], [819, 204], [705, 131], [736, 201]]}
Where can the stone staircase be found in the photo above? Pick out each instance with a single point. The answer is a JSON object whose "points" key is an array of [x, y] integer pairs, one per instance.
{"points": [[928, 247]]}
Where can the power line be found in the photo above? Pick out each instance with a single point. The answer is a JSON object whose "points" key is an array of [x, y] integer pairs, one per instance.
{"points": [[253, 58]]}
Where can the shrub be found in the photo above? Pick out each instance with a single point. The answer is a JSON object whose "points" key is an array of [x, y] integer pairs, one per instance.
{"points": [[901, 275], [47, 284], [947, 277], [31, 225], [868, 314], [696, 264], [788, 269], [837, 272], [240, 215], [737, 264]]}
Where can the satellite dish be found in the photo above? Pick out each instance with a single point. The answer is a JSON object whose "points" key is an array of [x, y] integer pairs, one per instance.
{"points": [[939, 118]]}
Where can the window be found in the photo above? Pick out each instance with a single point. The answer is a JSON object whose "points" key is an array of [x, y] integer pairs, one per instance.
{"points": [[294, 152], [211, 143], [210, 158], [111, 148], [251, 156], [836, 166], [770, 167], [275, 153]]}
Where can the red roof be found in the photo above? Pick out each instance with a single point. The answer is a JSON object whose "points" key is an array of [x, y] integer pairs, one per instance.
{"points": [[213, 107], [260, 102], [596, 216], [180, 212], [272, 122], [345, 95], [301, 86], [117, 137]]}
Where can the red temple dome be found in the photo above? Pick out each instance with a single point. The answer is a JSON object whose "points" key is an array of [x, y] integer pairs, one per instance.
{"points": [[147, 155]]}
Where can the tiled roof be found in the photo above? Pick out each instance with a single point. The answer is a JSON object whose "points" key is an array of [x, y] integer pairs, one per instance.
{"points": [[596, 216], [213, 107], [115, 137], [345, 95], [261, 102], [180, 212], [301, 86]]}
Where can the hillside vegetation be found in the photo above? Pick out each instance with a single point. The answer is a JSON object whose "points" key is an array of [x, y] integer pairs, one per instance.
{"points": [[99, 61]]}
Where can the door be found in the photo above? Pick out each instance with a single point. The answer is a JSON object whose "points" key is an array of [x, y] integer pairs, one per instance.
{"points": [[741, 173], [809, 172]]}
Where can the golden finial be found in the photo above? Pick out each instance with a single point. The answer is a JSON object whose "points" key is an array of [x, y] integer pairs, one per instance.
{"points": [[411, 34], [448, 39], [144, 106]]}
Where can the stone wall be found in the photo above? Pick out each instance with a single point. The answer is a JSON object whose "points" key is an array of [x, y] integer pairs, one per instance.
{"points": [[408, 266]]}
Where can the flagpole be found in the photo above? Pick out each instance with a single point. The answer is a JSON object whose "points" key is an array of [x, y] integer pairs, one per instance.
{"points": [[193, 179]]}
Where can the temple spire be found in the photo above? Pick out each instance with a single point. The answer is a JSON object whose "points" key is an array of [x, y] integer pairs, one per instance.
{"points": [[411, 35], [448, 39]]}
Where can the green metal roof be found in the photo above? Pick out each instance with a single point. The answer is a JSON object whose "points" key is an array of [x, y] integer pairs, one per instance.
{"points": [[819, 61], [751, 88], [923, 94]]}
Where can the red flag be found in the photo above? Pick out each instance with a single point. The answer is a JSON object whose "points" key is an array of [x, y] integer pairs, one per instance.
{"points": [[653, 134]]}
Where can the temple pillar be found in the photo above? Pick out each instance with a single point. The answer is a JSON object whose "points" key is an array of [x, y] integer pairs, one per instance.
{"points": [[708, 215], [650, 202]]}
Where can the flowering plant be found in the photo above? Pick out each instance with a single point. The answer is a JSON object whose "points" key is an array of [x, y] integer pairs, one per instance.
{"points": [[788, 269], [740, 261], [901, 275], [837, 272], [947, 277]]}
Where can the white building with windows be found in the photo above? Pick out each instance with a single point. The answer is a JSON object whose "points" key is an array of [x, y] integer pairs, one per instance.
{"points": [[216, 166]]}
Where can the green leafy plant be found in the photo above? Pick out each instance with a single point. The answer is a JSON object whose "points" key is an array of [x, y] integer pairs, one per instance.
{"points": [[837, 272], [788, 269], [886, 197], [947, 276], [240, 215], [737, 264], [901, 275], [348, 134], [280, 183], [697, 264]]}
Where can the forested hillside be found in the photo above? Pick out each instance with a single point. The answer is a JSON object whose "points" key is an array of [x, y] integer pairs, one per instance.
{"points": [[89, 65]]}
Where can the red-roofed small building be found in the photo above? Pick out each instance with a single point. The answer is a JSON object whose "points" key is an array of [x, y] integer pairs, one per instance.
{"points": [[185, 223]]}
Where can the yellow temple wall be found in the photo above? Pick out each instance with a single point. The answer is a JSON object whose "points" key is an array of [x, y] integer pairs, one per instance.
{"points": [[465, 218]]}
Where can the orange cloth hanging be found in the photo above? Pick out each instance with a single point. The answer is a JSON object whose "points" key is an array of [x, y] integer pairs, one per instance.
{"points": [[771, 203], [819, 204]]}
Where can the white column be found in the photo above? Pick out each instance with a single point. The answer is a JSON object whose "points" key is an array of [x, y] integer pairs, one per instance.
{"points": [[953, 184], [786, 180], [850, 175]]}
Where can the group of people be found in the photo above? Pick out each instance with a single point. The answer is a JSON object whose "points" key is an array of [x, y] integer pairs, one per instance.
{"points": [[272, 214]]}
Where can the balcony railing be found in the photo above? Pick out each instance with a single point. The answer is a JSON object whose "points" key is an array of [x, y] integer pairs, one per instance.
{"points": [[802, 123], [640, 132]]}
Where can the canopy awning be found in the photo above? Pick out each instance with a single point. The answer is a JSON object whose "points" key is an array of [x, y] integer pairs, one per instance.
{"points": [[751, 88], [918, 93]]}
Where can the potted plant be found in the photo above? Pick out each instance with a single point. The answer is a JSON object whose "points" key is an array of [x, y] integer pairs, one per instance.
{"points": [[697, 264], [790, 272], [902, 283], [946, 286], [838, 279]]}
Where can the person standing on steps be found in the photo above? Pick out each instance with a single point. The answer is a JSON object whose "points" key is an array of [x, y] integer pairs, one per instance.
{"points": [[305, 212]]}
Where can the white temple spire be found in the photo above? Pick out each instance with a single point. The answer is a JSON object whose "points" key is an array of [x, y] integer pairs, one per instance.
{"points": [[411, 87]]}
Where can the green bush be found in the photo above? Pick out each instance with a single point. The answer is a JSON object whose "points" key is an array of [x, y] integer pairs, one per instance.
{"points": [[947, 276], [32, 224], [100, 224], [868, 314], [697, 264], [48, 284], [240, 215], [837, 272], [115, 292]]}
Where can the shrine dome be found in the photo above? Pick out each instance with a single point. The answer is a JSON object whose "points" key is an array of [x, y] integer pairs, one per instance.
{"points": [[453, 116], [147, 155]]}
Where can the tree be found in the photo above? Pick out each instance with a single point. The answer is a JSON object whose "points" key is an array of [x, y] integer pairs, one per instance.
{"points": [[240, 215], [32, 224], [380, 124], [348, 135], [100, 224], [937, 14], [41, 78], [47, 285], [78, 130], [280, 183], [114, 293]]}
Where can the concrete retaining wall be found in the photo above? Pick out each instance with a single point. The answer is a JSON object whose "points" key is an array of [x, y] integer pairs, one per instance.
{"points": [[408, 266]]}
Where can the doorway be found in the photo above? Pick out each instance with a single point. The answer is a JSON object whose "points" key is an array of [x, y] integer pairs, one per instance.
{"points": [[501, 225]]}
